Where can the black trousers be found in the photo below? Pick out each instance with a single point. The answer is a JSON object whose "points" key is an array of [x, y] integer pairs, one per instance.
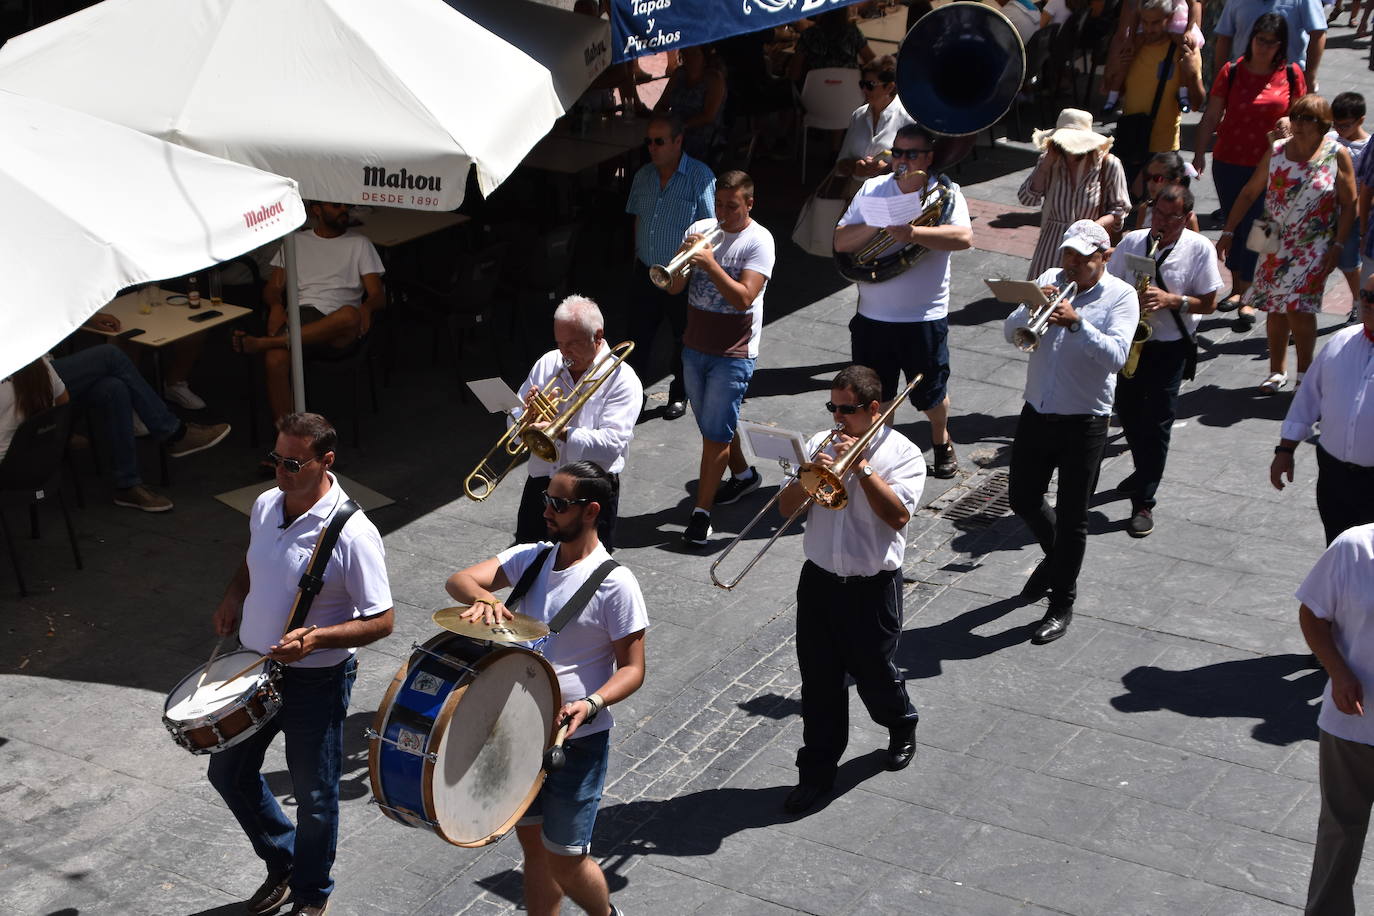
{"points": [[1072, 445], [1147, 404], [1345, 494], [648, 306], [846, 627], [529, 518]]}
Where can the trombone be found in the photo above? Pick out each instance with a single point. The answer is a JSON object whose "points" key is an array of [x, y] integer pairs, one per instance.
{"points": [[663, 275], [824, 486], [551, 407], [1028, 338]]}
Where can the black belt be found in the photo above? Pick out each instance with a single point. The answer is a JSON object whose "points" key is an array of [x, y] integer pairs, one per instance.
{"points": [[1061, 417], [844, 580], [1347, 465]]}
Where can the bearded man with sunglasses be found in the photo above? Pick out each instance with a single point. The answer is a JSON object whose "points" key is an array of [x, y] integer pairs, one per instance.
{"points": [[849, 596], [598, 656], [352, 608], [1337, 391], [901, 325]]}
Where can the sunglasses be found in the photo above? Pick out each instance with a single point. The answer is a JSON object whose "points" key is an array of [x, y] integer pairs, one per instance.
{"points": [[655, 141], [560, 505], [1306, 119], [292, 465], [873, 84], [910, 153], [845, 409]]}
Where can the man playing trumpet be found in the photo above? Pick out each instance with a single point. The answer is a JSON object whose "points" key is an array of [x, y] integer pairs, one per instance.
{"points": [[901, 324], [849, 596], [1070, 381], [1184, 289], [602, 428]]}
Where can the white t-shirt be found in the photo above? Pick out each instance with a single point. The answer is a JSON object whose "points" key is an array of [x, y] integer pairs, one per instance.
{"points": [[921, 292], [715, 326], [581, 653], [862, 139], [1340, 588], [1190, 269], [10, 420], [331, 271], [355, 581]]}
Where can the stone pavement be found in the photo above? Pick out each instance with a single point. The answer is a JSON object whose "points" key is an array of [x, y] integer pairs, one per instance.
{"points": [[1158, 759]]}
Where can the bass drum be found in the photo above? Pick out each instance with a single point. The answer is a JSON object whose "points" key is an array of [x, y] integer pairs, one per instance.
{"points": [[457, 745]]}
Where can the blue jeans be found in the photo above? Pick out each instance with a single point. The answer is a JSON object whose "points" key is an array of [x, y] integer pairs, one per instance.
{"points": [[1230, 179], [314, 704], [103, 378], [716, 386]]}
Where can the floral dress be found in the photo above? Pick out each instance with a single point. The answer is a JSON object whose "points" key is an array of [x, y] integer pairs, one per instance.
{"points": [[1301, 197]]}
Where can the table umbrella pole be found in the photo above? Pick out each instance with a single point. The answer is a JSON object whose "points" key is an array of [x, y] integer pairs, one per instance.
{"points": [[293, 322]]}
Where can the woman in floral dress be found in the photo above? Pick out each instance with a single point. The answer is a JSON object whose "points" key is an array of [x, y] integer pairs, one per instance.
{"points": [[1309, 186]]}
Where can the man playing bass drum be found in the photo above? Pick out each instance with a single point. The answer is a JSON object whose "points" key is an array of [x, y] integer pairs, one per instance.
{"points": [[901, 324]]}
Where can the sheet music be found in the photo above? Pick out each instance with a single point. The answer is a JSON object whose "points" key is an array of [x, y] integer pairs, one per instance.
{"points": [[772, 443], [495, 395], [890, 211], [1141, 266]]}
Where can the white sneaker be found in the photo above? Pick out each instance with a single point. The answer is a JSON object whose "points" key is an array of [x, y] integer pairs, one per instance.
{"points": [[140, 428], [180, 393]]}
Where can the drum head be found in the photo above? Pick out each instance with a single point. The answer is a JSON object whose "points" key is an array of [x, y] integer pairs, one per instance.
{"points": [[186, 702], [495, 730]]}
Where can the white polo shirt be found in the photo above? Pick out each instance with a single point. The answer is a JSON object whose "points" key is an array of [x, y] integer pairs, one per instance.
{"points": [[355, 581], [1189, 269], [1340, 589]]}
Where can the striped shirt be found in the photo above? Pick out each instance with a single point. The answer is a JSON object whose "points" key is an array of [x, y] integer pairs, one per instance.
{"points": [[665, 213], [1064, 201]]}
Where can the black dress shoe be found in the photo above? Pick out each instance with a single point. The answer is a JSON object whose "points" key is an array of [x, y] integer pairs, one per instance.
{"points": [[901, 747], [1038, 584], [1054, 625], [674, 410], [803, 797]]}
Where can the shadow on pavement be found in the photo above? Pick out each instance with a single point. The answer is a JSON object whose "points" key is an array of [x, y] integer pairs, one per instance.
{"points": [[923, 650], [1253, 688]]}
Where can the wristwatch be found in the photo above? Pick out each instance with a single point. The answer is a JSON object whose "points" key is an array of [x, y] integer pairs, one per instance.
{"points": [[1075, 327], [866, 470]]}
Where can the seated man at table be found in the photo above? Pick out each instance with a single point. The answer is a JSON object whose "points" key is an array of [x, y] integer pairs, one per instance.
{"points": [[340, 284]]}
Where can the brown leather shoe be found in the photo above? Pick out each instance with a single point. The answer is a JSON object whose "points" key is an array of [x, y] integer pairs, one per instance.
{"points": [[272, 896]]}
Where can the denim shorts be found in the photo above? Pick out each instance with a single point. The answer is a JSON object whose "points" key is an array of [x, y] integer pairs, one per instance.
{"points": [[1350, 254], [715, 388], [566, 804]]}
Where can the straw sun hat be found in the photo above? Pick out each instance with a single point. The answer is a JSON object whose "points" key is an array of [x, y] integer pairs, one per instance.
{"points": [[1073, 133]]}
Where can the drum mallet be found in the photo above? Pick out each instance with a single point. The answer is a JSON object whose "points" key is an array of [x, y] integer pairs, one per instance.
{"points": [[554, 757], [262, 658]]}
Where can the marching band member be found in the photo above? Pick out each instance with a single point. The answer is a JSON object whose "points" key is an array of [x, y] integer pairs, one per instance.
{"points": [[901, 325], [1070, 379], [598, 656], [601, 431], [1184, 289], [849, 596]]}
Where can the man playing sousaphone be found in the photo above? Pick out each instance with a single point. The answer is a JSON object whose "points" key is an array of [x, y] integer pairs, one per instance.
{"points": [[849, 596], [901, 325], [599, 658]]}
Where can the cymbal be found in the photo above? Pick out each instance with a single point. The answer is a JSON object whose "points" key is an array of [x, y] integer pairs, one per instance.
{"points": [[518, 629]]}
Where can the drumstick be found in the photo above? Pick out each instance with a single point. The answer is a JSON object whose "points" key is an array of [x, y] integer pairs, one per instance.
{"points": [[214, 654], [554, 757], [262, 658]]}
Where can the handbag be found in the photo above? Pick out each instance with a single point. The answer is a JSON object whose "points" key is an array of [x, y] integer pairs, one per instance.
{"points": [[1263, 237], [814, 231], [1132, 133]]}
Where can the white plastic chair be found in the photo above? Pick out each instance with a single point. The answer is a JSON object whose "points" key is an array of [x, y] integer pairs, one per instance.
{"points": [[828, 97]]}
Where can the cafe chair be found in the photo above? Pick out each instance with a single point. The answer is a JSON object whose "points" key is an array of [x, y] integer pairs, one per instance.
{"points": [[355, 368], [32, 470], [828, 97]]}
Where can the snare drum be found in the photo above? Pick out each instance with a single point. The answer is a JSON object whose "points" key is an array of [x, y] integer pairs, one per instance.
{"points": [[457, 745], [215, 715]]}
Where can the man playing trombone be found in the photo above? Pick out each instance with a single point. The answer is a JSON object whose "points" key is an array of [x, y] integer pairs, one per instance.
{"points": [[1070, 382], [602, 428], [849, 596]]}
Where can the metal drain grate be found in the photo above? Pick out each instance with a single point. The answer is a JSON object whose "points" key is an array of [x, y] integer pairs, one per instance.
{"points": [[984, 504]]}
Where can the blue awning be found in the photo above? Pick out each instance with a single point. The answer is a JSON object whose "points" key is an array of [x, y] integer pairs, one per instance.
{"points": [[640, 27]]}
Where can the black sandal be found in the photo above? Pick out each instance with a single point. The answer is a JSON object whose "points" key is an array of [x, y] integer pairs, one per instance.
{"points": [[1230, 303], [1244, 321]]}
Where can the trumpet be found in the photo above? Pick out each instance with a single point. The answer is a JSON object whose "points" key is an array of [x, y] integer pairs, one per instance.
{"points": [[663, 275], [1028, 338], [1143, 331], [824, 486], [523, 436]]}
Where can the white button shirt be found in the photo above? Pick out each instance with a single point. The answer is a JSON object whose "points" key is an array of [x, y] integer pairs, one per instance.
{"points": [[1189, 269], [1340, 589], [854, 541], [1338, 390], [863, 139], [602, 430], [1075, 372]]}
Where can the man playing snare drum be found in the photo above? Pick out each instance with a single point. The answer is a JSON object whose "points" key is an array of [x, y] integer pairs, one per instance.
{"points": [[352, 609], [599, 657]]}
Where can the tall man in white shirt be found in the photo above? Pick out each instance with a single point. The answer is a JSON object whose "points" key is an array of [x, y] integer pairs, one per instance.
{"points": [[724, 321], [901, 325], [1337, 619], [599, 658], [352, 609], [849, 596], [600, 431], [1337, 390], [1070, 381], [340, 284], [1184, 289]]}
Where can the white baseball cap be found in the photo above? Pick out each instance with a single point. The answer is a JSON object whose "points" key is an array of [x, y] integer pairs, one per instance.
{"points": [[1086, 237]]}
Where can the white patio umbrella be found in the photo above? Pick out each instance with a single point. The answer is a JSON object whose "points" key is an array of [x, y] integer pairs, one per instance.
{"points": [[360, 101], [92, 207]]}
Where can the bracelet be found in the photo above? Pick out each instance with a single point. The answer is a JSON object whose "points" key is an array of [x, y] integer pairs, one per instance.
{"points": [[1227, 233], [594, 704], [1284, 450], [489, 602]]}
